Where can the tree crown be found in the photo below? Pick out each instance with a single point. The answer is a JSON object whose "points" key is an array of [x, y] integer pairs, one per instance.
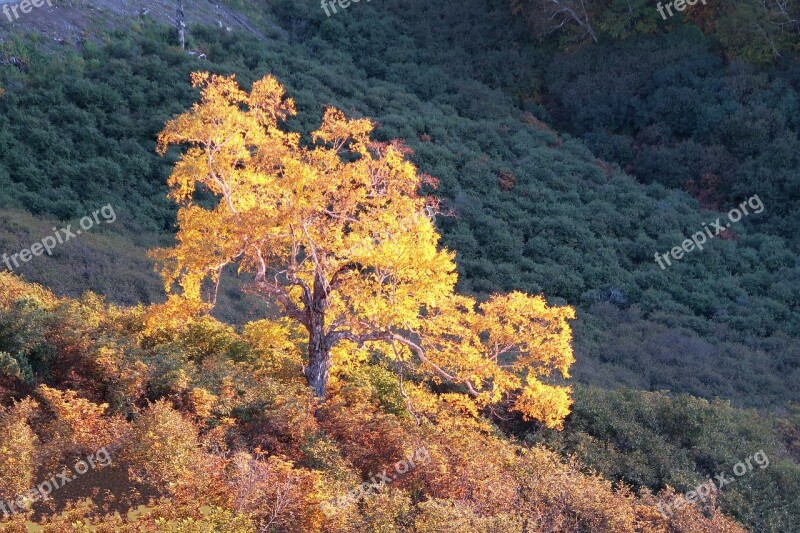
{"points": [[338, 230]]}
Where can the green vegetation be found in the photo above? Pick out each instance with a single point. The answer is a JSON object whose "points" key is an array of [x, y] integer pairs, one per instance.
{"points": [[651, 440], [668, 110], [758, 31]]}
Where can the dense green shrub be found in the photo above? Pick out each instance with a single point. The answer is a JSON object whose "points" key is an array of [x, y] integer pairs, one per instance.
{"points": [[650, 440]]}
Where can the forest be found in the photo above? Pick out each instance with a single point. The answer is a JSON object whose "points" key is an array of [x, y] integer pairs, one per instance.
{"points": [[405, 235]]}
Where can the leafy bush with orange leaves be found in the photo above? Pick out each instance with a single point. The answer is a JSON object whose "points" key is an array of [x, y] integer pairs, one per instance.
{"points": [[18, 450], [162, 448], [277, 494], [78, 426]]}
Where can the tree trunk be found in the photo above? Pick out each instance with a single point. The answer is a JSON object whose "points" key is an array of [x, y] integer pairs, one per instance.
{"points": [[318, 354], [319, 350], [181, 25]]}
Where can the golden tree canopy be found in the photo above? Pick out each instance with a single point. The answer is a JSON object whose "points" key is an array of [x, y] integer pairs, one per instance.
{"points": [[336, 233]]}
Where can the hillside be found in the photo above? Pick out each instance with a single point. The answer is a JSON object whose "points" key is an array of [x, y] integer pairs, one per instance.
{"points": [[561, 171], [235, 440]]}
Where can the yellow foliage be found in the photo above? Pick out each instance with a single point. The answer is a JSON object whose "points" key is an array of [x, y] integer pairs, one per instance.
{"points": [[463, 403], [126, 379], [277, 344], [701, 517], [202, 402], [271, 453], [162, 516], [437, 516], [17, 450], [338, 236], [546, 403], [13, 288], [162, 448], [385, 512], [79, 427], [174, 315]]}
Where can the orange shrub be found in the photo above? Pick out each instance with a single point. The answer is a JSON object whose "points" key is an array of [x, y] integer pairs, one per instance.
{"points": [[280, 496], [79, 426], [17, 450], [162, 449]]}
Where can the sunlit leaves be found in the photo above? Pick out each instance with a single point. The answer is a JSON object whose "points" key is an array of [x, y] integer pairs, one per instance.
{"points": [[162, 448], [339, 236], [18, 445], [547, 403], [80, 425]]}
